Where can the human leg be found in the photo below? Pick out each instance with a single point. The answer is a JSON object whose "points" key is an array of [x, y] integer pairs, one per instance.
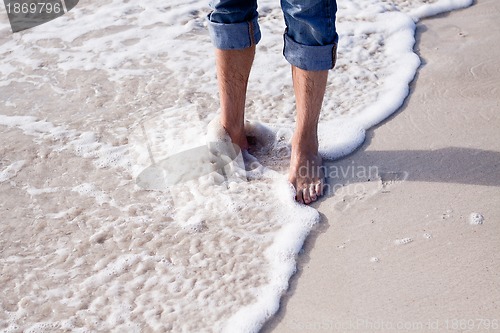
{"points": [[306, 174], [310, 37], [233, 70], [310, 47], [235, 32]]}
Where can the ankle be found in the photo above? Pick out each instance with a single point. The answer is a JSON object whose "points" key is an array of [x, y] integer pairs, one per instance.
{"points": [[236, 132], [305, 144]]}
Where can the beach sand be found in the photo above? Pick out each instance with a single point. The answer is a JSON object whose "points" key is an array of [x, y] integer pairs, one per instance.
{"points": [[82, 247], [415, 249]]}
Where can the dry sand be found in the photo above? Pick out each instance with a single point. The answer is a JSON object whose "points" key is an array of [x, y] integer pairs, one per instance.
{"points": [[399, 253]]}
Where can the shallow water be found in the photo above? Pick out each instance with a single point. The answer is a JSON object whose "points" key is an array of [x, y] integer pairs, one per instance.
{"points": [[94, 98]]}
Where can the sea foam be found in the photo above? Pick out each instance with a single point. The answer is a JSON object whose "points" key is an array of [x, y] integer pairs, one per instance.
{"points": [[92, 99]]}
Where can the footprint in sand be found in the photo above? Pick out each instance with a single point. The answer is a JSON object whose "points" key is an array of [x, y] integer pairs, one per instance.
{"points": [[389, 179]]}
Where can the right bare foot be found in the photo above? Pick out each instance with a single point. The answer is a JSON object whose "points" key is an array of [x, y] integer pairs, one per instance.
{"points": [[306, 175]]}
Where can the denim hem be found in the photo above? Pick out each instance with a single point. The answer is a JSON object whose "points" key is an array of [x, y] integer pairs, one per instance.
{"points": [[234, 36], [310, 58]]}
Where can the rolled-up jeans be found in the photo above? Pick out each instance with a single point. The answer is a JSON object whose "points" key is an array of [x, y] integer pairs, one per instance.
{"points": [[310, 38]]}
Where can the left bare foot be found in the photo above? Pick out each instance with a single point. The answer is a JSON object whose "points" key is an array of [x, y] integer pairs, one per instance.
{"points": [[306, 175]]}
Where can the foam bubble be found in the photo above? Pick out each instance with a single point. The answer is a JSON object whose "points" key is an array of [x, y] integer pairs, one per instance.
{"points": [[403, 241], [476, 219]]}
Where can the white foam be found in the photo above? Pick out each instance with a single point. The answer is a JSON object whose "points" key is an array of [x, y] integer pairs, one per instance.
{"points": [[403, 241], [438, 7], [90, 190], [11, 170], [37, 191], [476, 219], [332, 144]]}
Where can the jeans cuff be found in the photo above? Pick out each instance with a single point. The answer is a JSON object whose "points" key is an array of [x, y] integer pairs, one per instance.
{"points": [[234, 36], [310, 58]]}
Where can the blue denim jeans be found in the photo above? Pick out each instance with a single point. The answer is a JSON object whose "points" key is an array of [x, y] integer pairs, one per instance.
{"points": [[310, 38]]}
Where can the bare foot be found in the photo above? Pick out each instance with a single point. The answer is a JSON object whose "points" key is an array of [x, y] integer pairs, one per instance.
{"points": [[237, 135], [306, 175]]}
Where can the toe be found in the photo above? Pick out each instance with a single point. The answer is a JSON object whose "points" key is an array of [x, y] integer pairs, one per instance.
{"points": [[307, 196], [312, 192], [299, 197], [318, 187], [298, 193]]}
